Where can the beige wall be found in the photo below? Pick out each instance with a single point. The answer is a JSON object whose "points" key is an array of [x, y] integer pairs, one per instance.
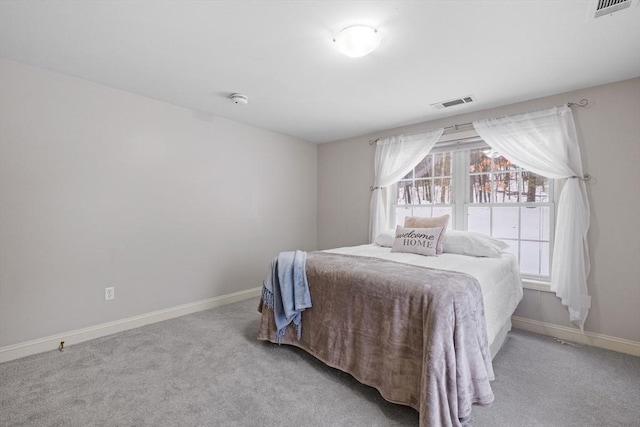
{"points": [[101, 187], [609, 132]]}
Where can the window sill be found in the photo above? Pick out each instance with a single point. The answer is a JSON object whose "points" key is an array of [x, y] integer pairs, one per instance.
{"points": [[536, 285]]}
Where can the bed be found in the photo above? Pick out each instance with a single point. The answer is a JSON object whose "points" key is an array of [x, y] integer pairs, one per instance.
{"points": [[420, 329]]}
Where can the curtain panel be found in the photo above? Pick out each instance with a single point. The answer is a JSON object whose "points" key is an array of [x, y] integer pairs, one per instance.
{"points": [[395, 157], [545, 142]]}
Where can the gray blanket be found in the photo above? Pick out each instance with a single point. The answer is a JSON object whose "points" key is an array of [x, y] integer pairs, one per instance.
{"points": [[416, 334]]}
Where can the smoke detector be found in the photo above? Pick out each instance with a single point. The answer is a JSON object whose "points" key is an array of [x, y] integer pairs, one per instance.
{"points": [[239, 98]]}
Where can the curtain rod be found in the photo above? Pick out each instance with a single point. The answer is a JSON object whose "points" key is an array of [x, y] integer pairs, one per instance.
{"points": [[446, 128], [582, 103]]}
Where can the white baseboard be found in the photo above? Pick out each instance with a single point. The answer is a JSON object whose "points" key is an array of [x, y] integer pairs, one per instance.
{"points": [[40, 345], [587, 338]]}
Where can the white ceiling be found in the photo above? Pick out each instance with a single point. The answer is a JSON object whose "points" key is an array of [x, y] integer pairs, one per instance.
{"points": [[280, 54]]}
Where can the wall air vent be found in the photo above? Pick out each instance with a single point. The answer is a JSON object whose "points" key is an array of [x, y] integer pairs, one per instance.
{"points": [[607, 7], [453, 102]]}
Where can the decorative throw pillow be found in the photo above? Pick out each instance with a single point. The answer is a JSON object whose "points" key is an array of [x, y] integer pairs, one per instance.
{"points": [[473, 244], [420, 241], [435, 222]]}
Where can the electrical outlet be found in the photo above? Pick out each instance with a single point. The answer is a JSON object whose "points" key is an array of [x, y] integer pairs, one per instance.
{"points": [[109, 293]]}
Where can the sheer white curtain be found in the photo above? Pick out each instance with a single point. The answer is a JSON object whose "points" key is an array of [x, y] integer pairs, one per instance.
{"points": [[395, 157], [545, 143]]}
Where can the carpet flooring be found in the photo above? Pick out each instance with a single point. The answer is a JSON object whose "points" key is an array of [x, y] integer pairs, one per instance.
{"points": [[208, 369]]}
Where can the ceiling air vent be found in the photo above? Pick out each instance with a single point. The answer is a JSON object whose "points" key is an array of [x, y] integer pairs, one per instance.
{"points": [[606, 7], [453, 102]]}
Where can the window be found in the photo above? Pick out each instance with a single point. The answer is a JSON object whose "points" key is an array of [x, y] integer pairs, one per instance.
{"points": [[427, 190], [484, 192]]}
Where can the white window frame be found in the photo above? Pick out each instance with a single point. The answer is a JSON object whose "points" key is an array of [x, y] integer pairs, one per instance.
{"points": [[460, 204]]}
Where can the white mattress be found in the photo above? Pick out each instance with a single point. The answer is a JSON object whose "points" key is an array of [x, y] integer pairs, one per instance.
{"points": [[499, 279]]}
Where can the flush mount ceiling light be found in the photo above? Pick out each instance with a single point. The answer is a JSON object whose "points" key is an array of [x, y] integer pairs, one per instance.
{"points": [[357, 40]]}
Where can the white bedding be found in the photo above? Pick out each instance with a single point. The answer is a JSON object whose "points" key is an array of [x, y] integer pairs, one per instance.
{"points": [[499, 280]]}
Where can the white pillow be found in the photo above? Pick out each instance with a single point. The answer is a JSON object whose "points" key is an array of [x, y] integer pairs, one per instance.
{"points": [[386, 238], [421, 241], [473, 244]]}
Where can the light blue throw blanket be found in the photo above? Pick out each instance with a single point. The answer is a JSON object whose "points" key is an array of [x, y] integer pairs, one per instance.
{"points": [[286, 290]]}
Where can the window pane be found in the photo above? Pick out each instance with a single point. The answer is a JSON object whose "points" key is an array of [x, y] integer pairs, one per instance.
{"points": [[493, 185], [424, 169], [535, 188], [545, 214], [442, 164], [513, 247], [423, 192], [531, 223], [507, 187], [480, 188], [500, 163], [474, 189], [544, 259], [404, 192], [442, 190], [505, 222], [479, 220], [478, 162], [530, 258], [421, 211]]}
